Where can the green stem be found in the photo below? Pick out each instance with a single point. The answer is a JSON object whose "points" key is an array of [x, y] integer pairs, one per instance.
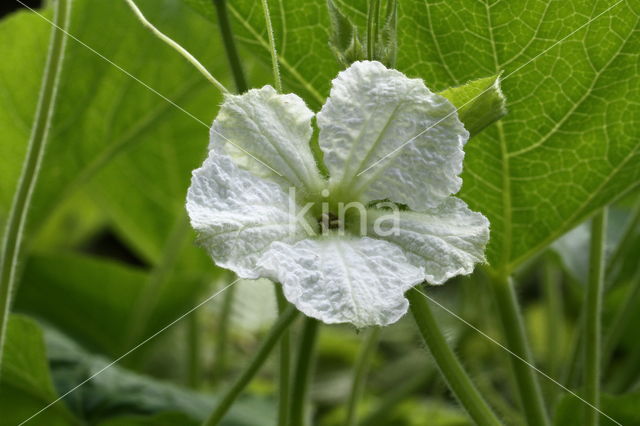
{"points": [[361, 369], [285, 364], [455, 376], [175, 46], [222, 334], [303, 371], [272, 47], [372, 27], [516, 341], [593, 318], [230, 46], [11, 250], [284, 321]]}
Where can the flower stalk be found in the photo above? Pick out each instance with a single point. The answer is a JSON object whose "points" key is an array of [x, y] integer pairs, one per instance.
{"points": [[455, 376], [11, 250]]}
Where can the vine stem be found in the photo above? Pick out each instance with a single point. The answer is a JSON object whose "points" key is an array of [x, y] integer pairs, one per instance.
{"points": [[283, 322], [361, 369], [175, 46], [230, 46], [593, 318], [13, 236], [285, 364], [302, 376], [516, 341], [272, 45], [455, 376]]}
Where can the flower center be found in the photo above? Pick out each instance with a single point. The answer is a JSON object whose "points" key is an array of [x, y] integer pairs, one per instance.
{"points": [[329, 222]]}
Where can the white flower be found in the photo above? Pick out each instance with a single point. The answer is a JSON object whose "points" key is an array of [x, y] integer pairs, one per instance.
{"points": [[241, 203]]}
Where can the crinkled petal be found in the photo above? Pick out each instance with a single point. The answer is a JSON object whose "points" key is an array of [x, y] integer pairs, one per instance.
{"points": [[343, 280], [373, 132], [445, 241], [238, 215], [268, 134]]}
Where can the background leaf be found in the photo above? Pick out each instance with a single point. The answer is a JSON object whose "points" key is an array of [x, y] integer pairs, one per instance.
{"points": [[98, 131], [105, 296], [117, 392], [26, 384]]}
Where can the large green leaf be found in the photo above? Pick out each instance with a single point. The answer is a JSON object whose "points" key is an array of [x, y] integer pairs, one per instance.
{"points": [[26, 384], [34, 361], [104, 115], [105, 299], [114, 395], [123, 144], [569, 144]]}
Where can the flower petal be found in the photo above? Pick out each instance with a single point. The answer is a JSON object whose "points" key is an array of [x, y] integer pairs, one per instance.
{"points": [[373, 131], [445, 241], [238, 215], [268, 134], [339, 279]]}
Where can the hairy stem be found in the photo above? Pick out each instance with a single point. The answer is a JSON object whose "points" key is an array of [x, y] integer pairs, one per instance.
{"points": [[230, 46], [11, 250], [516, 341], [285, 364], [373, 13], [303, 371], [272, 47], [593, 318], [284, 321], [455, 376], [360, 375]]}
